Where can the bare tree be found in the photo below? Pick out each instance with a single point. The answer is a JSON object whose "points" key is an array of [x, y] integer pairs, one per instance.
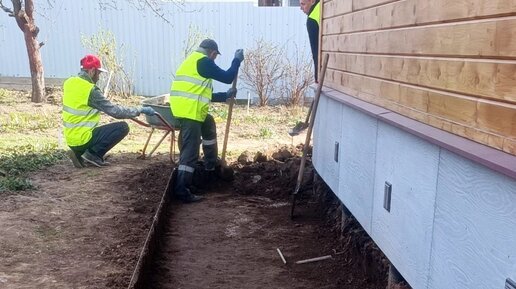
{"points": [[23, 13], [153, 5], [262, 69], [297, 76], [195, 36]]}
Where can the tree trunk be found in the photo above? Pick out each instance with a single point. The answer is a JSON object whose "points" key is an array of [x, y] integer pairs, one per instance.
{"points": [[25, 20], [36, 67]]}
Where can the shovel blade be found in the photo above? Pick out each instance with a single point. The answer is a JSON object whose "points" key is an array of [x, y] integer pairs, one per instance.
{"points": [[296, 130]]}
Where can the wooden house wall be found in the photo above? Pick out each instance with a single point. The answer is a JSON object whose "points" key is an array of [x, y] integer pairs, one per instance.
{"points": [[447, 63]]}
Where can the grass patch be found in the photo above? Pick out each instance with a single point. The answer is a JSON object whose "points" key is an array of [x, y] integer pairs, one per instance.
{"points": [[17, 162], [23, 121], [13, 97], [265, 132]]}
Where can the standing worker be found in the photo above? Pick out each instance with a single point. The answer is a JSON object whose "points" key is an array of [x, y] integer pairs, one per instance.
{"points": [[190, 96], [313, 10], [82, 103]]}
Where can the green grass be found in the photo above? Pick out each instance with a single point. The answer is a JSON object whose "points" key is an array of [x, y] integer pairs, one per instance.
{"points": [[266, 132], [13, 97], [27, 121], [31, 136], [16, 162]]}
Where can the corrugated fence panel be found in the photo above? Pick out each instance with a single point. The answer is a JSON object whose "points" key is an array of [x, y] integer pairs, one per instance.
{"points": [[151, 48]]}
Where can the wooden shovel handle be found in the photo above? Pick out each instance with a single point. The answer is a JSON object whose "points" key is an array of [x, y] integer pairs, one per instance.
{"points": [[228, 122]]}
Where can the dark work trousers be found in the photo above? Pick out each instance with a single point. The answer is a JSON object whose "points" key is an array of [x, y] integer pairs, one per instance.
{"points": [[103, 138], [190, 136]]}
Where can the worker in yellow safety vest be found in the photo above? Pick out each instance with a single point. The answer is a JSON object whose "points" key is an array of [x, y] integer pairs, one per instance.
{"points": [[82, 103], [312, 8], [190, 96]]}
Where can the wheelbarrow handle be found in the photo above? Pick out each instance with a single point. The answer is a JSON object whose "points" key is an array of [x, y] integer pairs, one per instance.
{"points": [[140, 122], [160, 118], [164, 121]]}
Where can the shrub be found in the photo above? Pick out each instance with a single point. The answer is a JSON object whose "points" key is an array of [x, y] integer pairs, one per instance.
{"points": [[263, 69], [104, 44]]}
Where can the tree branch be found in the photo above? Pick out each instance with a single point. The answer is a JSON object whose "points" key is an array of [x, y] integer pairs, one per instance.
{"points": [[16, 6], [29, 8], [7, 10], [155, 10]]}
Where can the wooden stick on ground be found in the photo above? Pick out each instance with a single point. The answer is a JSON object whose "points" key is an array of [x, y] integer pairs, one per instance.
{"points": [[281, 255], [314, 259]]}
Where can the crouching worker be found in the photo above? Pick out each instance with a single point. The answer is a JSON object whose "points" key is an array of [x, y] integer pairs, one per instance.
{"points": [[190, 96], [82, 103]]}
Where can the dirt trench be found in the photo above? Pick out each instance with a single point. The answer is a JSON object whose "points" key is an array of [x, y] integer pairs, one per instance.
{"points": [[230, 239]]}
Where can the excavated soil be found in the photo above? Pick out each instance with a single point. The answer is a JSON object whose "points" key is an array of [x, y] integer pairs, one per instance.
{"points": [[85, 229], [230, 239]]}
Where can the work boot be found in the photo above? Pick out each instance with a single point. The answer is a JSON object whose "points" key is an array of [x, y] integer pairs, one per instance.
{"points": [[77, 162], [182, 186], [93, 159], [188, 197]]}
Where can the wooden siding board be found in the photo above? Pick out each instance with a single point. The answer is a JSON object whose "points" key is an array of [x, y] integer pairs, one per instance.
{"points": [[415, 12], [497, 117], [509, 145], [474, 229], [478, 78], [450, 112], [397, 14], [332, 8], [363, 4], [404, 234], [492, 38]]}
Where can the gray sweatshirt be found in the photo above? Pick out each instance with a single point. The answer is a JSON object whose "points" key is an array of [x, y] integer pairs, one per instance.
{"points": [[99, 101]]}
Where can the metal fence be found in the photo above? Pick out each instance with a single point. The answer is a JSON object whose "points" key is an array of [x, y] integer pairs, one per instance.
{"points": [[152, 47]]}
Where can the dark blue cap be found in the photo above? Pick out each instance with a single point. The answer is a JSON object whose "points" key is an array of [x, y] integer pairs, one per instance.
{"points": [[210, 44]]}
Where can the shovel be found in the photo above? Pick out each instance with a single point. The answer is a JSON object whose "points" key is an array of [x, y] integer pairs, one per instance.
{"points": [[308, 134], [226, 173], [301, 126]]}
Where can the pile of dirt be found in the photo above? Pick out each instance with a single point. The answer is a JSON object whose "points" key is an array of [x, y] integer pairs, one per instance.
{"points": [[272, 174]]}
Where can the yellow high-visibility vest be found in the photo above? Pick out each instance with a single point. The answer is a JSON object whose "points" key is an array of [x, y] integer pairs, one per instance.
{"points": [[79, 119], [316, 14], [190, 93]]}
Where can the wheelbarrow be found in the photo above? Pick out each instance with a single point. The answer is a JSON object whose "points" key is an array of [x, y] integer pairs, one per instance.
{"points": [[163, 120]]}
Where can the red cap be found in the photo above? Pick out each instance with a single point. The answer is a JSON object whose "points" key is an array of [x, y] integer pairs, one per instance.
{"points": [[91, 61]]}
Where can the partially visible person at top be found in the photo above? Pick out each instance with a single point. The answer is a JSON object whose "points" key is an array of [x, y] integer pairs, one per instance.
{"points": [[190, 96], [312, 9], [82, 103]]}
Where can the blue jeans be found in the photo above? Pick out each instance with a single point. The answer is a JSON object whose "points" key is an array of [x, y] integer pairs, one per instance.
{"points": [[103, 139]]}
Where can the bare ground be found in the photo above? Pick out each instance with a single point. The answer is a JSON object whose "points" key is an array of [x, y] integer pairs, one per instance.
{"points": [[230, 239], [85, 229], [81, 228]]}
